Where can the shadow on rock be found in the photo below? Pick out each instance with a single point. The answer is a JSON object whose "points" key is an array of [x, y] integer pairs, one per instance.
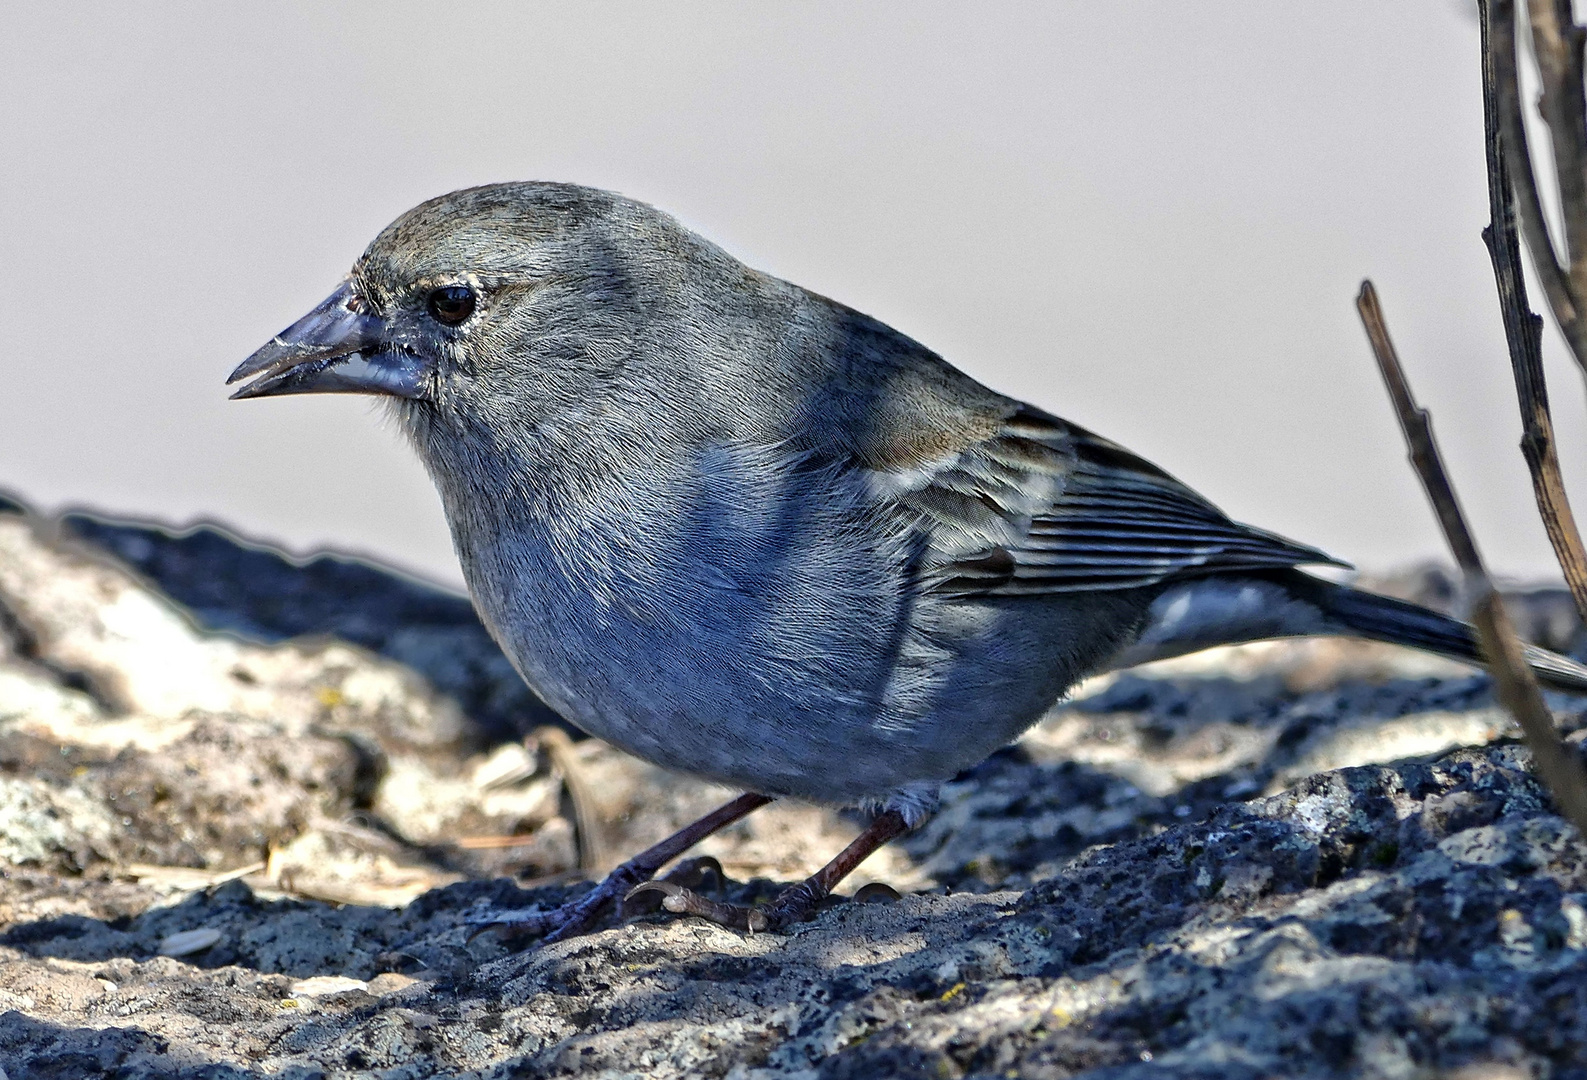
{"points": [[237, 586]]}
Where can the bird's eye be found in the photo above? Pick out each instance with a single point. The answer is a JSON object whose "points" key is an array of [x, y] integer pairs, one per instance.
{"points": [[451, 304]]}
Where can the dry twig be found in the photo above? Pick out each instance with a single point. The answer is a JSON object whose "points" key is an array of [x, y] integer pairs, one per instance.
{"points": [[186, 878], [559, 748], [1557, 43], [1523, 331], [492, 843], [1560, 770]]}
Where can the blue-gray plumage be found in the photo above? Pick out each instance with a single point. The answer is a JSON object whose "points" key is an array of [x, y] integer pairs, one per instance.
{"points": [[748, 533]]}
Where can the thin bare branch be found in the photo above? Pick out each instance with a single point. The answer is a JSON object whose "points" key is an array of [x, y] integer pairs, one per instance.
{"points": [[1498, 23], [1523, 332], [1557, 44], [1418, 428], [1560, 769]]}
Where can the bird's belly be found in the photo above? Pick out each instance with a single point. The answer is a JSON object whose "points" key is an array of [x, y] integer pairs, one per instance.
{"points": [[834, 702], [764, 626], [774, 700]]}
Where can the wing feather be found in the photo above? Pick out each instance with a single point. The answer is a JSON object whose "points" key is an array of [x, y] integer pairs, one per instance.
{"points": [[1044, 506]]}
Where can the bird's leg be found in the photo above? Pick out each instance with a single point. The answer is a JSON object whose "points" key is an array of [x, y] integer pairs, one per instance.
{"points": [[796, 902], [576, 916]]}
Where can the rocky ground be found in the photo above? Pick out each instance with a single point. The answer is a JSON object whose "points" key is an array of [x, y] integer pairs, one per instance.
{"points": [[247, 806]]}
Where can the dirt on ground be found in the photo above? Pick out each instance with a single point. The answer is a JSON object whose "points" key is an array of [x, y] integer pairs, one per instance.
{"points": [[252, 808]]}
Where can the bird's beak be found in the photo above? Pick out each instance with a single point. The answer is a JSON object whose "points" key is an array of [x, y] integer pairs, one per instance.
{"points": [[338, 348]]}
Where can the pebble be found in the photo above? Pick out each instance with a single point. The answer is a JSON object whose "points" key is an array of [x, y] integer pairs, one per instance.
{"points": [[322, 985], [188, 942], [389, 982]]}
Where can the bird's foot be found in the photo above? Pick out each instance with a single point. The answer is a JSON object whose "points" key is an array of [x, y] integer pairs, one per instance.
{"points": [[580, 915], [681, 900], [793, 905], [564, 921]]}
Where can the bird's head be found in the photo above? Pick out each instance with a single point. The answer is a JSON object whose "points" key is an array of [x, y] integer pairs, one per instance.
{"points": [[524, 297]]}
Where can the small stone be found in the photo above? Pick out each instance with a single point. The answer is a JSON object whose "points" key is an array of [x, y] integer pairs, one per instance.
{"points": [[188, 942], [877, 892], [510, 763], [323, 985], [389, 982]]}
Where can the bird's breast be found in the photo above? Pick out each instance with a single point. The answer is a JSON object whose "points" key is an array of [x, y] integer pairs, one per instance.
{"points": [[708, 620]]}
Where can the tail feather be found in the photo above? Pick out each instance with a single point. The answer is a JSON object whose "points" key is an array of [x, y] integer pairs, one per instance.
{"points": [[1231, 609], [1383, 618], [1398, 622]]}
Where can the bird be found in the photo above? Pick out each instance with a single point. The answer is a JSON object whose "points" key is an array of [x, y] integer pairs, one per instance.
{"points": [[745, 532]]}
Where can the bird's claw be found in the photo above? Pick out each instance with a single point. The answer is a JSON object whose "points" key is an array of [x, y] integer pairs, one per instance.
{"points": [[681, 901], [701, 872], [572, 918], [529, 922]]}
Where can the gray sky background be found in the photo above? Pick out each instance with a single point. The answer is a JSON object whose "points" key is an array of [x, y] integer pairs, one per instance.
{"points": [[1150, 218]]}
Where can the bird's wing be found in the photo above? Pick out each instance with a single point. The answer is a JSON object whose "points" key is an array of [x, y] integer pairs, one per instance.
{"points": [[1044, 506]]}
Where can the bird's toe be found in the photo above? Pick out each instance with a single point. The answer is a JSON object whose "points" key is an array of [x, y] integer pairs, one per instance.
{"points": [[682, 901]]}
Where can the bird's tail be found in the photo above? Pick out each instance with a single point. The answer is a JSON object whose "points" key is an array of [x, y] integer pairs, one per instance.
{"points": [[1230, 609]]}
